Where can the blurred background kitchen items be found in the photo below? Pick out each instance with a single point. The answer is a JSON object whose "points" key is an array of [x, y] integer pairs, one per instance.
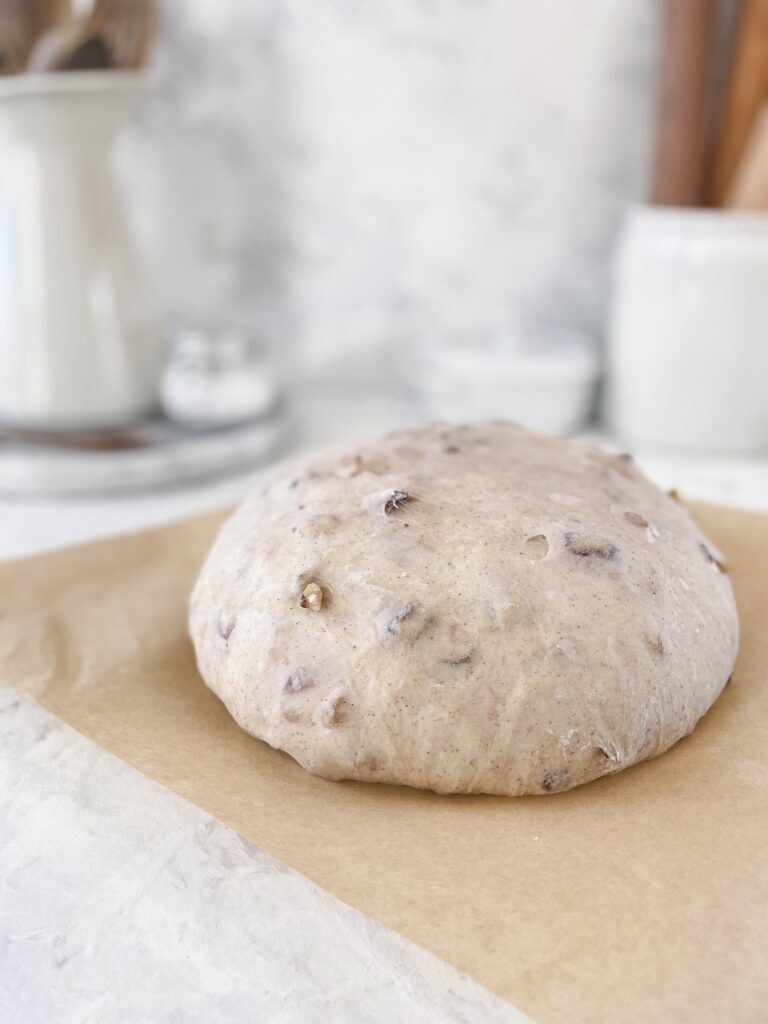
{"points": [[748, 189], [687, 356], [688, 361], [79, 345], [217, 379], [152, 457], [406, 165], [744, 94], [549, 387], [352, 217], [89, 364], [111, 34], [23, 23]]}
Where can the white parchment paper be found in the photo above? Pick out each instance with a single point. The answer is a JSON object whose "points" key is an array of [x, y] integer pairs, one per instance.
{"points": [[121, 902]]}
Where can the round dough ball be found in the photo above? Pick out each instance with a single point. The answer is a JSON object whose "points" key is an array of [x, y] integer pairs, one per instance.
{"points": [[467, 609]]}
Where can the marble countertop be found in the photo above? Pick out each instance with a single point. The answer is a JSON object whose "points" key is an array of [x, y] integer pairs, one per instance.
{"points": [[32, 525]]}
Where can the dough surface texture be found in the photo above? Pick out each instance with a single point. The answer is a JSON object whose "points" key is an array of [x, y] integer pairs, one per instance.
{"points": [[467, 609]]}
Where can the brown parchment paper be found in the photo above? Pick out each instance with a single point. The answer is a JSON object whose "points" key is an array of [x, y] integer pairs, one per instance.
{"points": [[641, 897]]}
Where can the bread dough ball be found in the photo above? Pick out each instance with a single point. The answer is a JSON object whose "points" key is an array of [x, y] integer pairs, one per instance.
{"points": [[467, 609]]}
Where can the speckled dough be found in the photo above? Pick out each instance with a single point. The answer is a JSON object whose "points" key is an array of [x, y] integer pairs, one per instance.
{"points": [[493, 611]]}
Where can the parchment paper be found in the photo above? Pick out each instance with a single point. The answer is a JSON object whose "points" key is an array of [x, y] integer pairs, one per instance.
{"points": [[121, 903], [640, 897]]}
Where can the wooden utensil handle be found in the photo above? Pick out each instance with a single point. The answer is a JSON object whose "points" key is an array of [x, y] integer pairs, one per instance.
{"points": [[747, 90], [682, 102], [749, 188]]}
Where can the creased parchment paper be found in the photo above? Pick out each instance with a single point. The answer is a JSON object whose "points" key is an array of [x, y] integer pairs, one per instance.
{"points": [[643, 896], [122, 903]]}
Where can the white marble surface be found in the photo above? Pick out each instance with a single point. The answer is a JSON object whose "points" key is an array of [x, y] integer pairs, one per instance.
{"points": [[412, 168], [122, 903], [320, 416]]}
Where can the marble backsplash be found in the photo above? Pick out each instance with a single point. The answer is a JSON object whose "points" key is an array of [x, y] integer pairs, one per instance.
{"points": [[378, 173]]}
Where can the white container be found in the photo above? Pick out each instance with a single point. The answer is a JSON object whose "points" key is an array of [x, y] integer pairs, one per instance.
{"points": [[688, 340], [551, 390], [79, 346]]}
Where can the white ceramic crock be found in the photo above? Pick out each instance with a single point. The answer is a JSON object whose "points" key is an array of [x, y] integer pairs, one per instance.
{"points": [[688, 339], [79, 345]]}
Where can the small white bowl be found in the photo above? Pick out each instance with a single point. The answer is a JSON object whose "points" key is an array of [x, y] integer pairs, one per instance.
{"points": [[547, 389]]}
